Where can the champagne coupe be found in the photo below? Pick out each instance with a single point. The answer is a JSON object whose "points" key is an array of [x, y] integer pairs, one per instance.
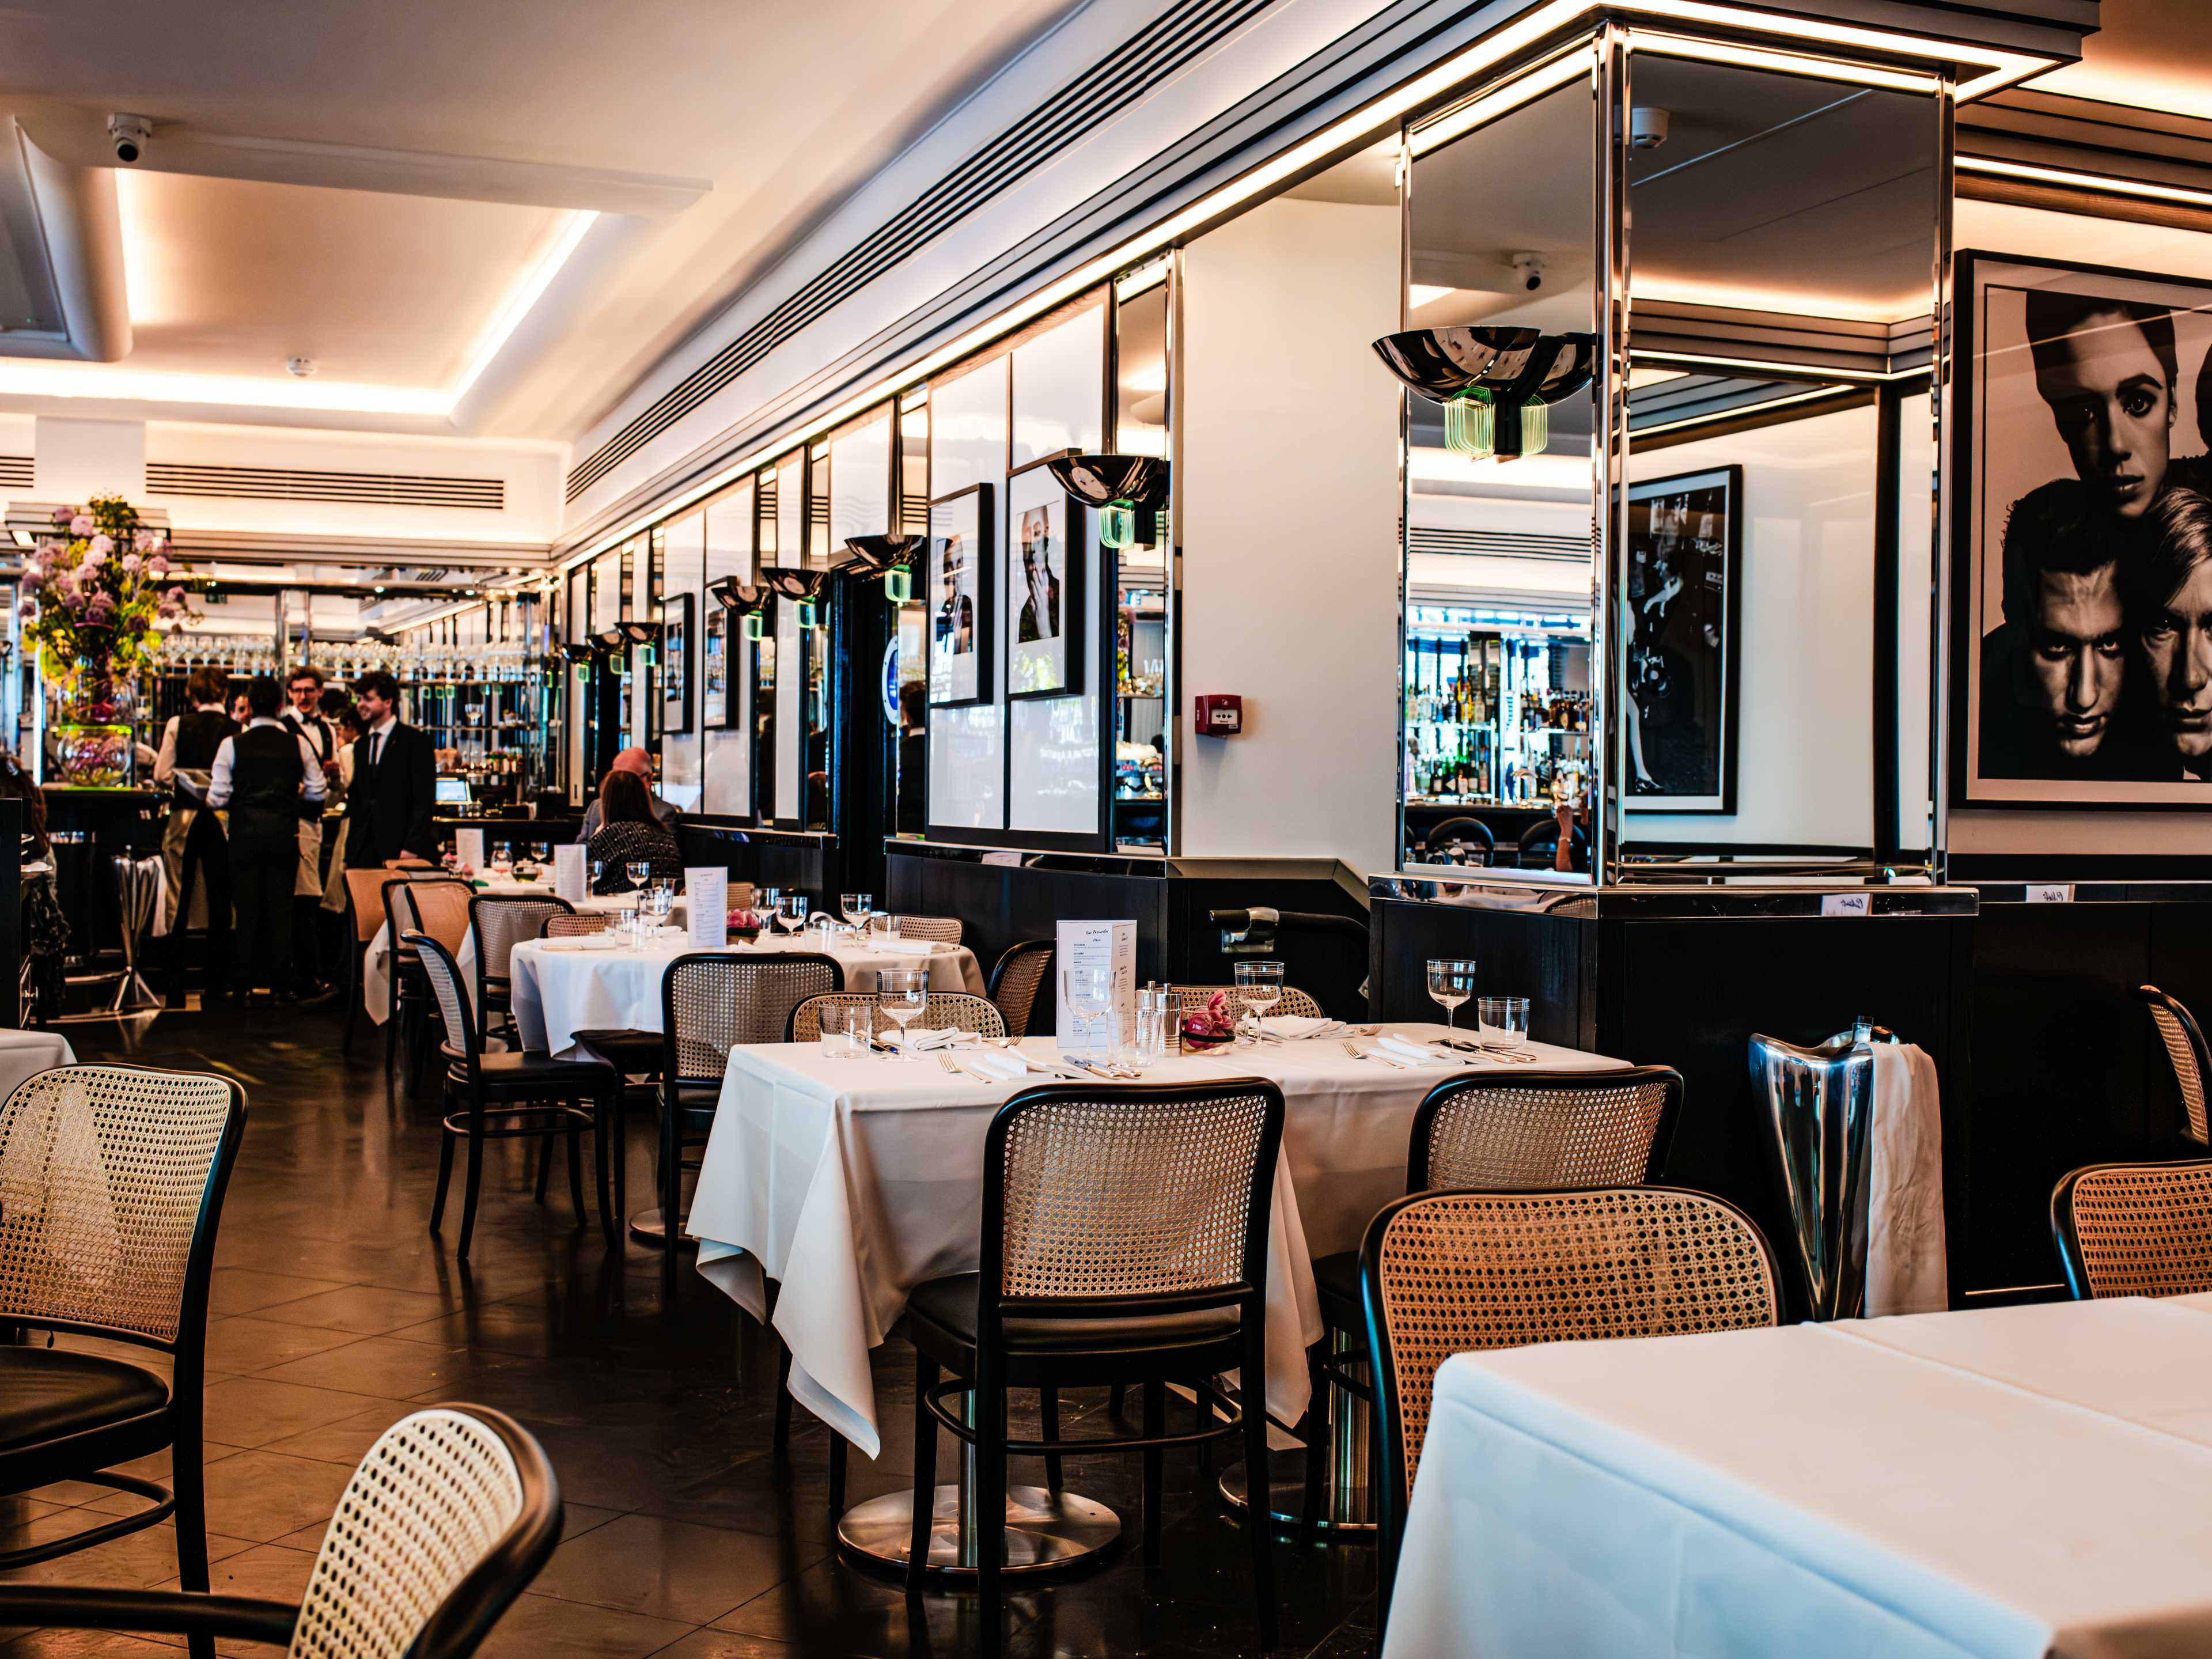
{"points": [[1451, 982], [856, 908], [1258, 987], [791, 912], [1090, 993], [640, 871], [902, 993]]}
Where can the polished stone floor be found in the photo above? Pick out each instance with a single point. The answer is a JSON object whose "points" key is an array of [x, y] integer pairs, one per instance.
{"points": [[335, 1311]]}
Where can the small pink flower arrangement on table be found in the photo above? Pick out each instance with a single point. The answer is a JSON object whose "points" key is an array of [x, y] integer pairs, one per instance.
{"points": [[744, 924], [1212, 1025]]}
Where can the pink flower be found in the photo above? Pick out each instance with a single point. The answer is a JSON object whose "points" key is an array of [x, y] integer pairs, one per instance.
{"points": [[95, 558], [158, 565], [103, 546], [63, 515], [30, 611], [81, 525], [33, 576], [175, 595], [145, 540], [131, 562]]}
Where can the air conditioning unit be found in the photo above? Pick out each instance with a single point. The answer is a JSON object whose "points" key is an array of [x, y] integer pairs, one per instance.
{"points": [[61, 256]]}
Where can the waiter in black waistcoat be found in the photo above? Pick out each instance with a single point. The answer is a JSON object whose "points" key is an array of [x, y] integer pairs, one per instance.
{"points": [[395, 780], [304, 686], [192, 838], [264, 775]]}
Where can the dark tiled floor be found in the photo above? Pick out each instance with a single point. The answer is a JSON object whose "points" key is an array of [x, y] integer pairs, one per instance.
{"points": [[334, 1311]]}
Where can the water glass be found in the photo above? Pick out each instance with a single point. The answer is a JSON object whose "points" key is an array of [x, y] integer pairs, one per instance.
{"points": [[841, 1029], [1451, 982], [1258, 987], [854, 907], [791, 912], [1504, 1021], [1090, 993], [887, 926], [902, 993]]}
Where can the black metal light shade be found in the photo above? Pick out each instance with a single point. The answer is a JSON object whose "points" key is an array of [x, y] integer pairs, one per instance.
{"points": [[792, 582], [873, 554], [1495, 384], [1128, 490], [743, 598], [1444, 363]]}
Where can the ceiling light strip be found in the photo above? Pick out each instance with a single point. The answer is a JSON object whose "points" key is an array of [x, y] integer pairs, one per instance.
{"points": [[1548, 78], [1770, 366], [1737, 411], [2104, 183], [1799, 65], [1374, 119], [521, 300]]}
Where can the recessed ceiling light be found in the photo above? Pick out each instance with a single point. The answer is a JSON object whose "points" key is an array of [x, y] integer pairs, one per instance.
{"points": [[300, 368]]}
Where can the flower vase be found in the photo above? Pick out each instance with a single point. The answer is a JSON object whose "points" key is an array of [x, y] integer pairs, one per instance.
{"points": [[94, 747]]}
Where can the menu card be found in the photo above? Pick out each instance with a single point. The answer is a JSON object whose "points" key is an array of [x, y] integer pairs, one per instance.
{"points": [[568, 870], [706, 907], [1084, 945], [468, 848]]}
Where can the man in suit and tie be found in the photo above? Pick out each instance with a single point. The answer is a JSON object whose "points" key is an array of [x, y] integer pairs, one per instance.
{"points": [[395, 776], [305, 721]]}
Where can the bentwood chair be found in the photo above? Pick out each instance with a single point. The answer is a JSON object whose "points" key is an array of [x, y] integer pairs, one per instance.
{"points": [[938, 930], [445, 1522], [514, 1094], [436, 905], [497, 923], [1443, 1274], [111, 1181], [365, 914], [1558, 1130], [576, 925], [955, 1009], [1124, 1240], [2184, 1047], [1292, 1002], [2134, 1229], [1015, 981]]}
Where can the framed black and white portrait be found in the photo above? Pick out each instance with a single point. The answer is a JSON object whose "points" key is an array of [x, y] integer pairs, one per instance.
{"points": [[1044, 566], [676, 664], [958, 597], [715, 670], [2081, 537], [1684, 553]]}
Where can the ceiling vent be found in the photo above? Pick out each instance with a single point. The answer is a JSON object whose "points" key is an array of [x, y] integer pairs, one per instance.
{"points": [[268, 484], [15, 472], [1501, 543]]}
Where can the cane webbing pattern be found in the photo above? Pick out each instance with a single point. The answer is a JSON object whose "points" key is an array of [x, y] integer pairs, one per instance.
{"points": [[434, 1496], [439, 909], [938, 930], [575, 926], [2183, 1053], [1581, 1135], [365, 890], [1020, 977], [1292, 1002], [2143, 1229], [719, 1002], [102, 1173], [1129, 1197], [501, 923], [446, 985], [1466, 1271], [955, 1009]]}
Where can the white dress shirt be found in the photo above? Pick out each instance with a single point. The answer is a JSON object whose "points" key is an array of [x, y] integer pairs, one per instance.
{"points": [[164, 763], [310, 782]]}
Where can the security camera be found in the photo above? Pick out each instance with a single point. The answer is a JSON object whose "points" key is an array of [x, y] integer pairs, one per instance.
{"points": [[129, 134], [1530, 268]]}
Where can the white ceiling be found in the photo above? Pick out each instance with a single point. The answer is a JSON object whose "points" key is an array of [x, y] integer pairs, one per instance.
{"points": [[2156, 52], [713, 134]]}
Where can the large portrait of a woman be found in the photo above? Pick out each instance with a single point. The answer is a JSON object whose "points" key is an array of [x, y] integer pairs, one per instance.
{"points": [[2081, 537]]}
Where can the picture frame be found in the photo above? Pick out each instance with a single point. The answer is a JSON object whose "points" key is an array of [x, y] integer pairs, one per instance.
{"points": [[715, 670], [959, 596], [1683, 652], [676, 614], [2081, 400], [1046, 601]]}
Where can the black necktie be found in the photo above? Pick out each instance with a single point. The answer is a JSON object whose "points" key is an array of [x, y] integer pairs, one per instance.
{"points": [[375, 739]]}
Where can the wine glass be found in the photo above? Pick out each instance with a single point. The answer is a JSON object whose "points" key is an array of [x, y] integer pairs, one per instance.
{"points": [[596, 870], [1090, 993], [856, 908], [539, 850], [791, 912], [640, 871], [1451, 982], [902, 993], [503, 858], [1258, 987]]}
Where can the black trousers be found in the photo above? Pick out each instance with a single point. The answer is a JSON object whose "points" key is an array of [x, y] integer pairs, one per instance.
{"points": [[207, 865], [261, 877]]}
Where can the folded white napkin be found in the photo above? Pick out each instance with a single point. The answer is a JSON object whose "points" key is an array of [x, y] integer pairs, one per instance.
{"points": [[1294, 1027], [1001, 1063], [582, 942], [922, 1038], [894, 942], [1406, 1049]]}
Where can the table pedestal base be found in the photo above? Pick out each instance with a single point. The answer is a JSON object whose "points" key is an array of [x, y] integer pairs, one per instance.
{"points": [[647, 1227], [1045, 1532], [1348, 1491]]}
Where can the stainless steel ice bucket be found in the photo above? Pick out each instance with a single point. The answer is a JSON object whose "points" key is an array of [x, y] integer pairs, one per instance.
{"points": [[1817, 1104]]}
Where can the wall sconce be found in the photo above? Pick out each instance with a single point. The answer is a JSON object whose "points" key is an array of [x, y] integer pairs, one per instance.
{"points": [[753, 629], [1126, 490], [580, 654], [809, 614], [1496, 384], [899, 585], [892, 555]]}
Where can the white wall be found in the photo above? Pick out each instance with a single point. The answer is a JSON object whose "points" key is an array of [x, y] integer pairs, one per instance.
{"points": [[74, 459], [1288, 493], [1804, 721]]}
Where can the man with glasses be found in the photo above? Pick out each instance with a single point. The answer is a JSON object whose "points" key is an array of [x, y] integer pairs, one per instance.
{"points": [[304, 689]]}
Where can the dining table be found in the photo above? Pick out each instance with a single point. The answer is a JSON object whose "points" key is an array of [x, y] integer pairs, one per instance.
{"points": [[848, 1180], [2003, 1483], [560, 987]]}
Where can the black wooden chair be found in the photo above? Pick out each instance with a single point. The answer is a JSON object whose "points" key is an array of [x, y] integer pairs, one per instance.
{"points": [[2184, 1047], [445, 1522], [2134, 1229], [116, 1178], [1457, 836], [1016, 980], [497, 923], [1124, 1240]]}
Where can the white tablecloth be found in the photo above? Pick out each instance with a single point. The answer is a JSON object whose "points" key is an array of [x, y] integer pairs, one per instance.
{"points": [[850, 1182], [560, 991], [25, 1054], [2008, 1482]]}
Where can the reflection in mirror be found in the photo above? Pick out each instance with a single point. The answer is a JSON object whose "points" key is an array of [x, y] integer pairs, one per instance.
{"points": [[1784, 238], [1142, 605], [913, 752], [762, 626], [1497, 718]]}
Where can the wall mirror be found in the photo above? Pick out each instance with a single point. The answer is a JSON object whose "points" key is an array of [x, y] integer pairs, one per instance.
{"points": [[1143, 599]]}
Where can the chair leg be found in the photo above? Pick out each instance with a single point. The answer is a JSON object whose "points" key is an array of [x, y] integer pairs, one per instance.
{"points": [[837, 1456], [445, 1176], [782, 1443], [925, 1475], [1049, 1421], [600, 1172], [618, 1149], [671, 1186], [1256, 1526], [544, 1148], [469, 1192], [188, 1480], [990, 1504], [1315, 1432], [576, 1172], [1156, 1423]]}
